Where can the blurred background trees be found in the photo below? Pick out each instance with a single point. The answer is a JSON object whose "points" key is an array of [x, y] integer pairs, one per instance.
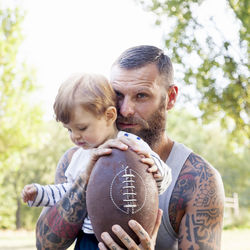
{"points": [[30, 147], [19, 119]]}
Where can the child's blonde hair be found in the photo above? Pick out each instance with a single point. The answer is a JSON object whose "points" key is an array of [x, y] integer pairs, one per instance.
{"points": [[93, 92]]}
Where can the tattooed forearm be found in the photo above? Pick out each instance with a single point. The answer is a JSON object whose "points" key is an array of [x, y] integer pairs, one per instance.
{"points": [[73, 205], [51, 240], [61, 224], [58, 226]]}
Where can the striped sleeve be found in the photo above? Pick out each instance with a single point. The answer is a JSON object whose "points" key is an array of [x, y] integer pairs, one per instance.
{"points": [[87, 226], [49, 195]]}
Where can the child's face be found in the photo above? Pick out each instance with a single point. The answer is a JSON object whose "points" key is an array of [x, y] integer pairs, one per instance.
{"points": [[86, 130]]}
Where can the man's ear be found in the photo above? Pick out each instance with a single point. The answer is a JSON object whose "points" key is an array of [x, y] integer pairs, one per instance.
{"points": [[111, 114], [172, 96]]}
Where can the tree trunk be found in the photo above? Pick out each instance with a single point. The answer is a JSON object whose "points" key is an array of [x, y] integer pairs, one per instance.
{"points": [[18, 214]]}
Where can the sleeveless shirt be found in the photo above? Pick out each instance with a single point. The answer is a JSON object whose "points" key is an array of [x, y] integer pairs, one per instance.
{"points": [[167, 239]]}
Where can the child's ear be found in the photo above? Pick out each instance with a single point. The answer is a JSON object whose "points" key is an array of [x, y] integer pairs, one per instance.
{"points": [[111, 114]]}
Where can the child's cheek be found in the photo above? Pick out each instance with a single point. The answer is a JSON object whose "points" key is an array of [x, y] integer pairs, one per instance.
{"points": [[71, 138]]}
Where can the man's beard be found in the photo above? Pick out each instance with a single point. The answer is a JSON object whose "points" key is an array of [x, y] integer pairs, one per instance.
{"points": [[152, 129]]}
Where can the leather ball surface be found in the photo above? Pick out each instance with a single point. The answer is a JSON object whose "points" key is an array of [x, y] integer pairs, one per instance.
{"points": [[120, 189]]}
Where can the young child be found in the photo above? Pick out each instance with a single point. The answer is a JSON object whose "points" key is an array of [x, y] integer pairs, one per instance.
{"points": [[85, 104]]}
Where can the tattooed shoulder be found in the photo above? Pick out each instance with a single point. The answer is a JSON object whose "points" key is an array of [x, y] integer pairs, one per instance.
{"points": [[198, 185], [209, 187], [63, 165]]}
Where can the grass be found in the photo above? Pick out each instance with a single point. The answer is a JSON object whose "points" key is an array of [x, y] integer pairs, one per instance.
{"points": [[25, 240], [236, 239], [21, 240], [18, 240]]}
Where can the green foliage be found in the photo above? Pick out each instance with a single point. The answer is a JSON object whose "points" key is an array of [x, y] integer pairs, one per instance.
{"points": [[19, 119], [219, 68], [29, 148], [40, 164], [211, 143]]}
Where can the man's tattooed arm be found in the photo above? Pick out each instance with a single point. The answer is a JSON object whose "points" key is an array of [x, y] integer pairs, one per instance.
{"points": [[197, 205], [59, 225]]}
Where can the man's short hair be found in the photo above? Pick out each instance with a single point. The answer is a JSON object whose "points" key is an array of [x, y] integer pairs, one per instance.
{"points": [[140, 56]]}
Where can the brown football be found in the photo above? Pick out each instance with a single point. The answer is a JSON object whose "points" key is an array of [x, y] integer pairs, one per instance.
{"points": [[120, 189]]}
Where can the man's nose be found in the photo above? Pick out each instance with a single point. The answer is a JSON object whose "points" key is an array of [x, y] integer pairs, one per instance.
{"points": [[127, 107]]}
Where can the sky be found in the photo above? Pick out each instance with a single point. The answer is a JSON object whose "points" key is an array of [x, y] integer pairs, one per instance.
{"points": [[64, 37], [67, 36]]}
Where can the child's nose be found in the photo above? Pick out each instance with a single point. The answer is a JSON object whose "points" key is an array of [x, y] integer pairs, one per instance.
{"points": [[76, 135]]}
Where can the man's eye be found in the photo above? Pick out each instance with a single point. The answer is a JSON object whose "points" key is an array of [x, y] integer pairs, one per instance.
{"points": [[118, 94], [141, 95]]}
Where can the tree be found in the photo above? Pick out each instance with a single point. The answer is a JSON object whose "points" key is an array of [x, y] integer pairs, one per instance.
{"points": [[217, 67], [19, 118], [29, 147]]}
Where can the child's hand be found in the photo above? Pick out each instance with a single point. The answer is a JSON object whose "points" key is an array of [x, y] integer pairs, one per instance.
{"points": [[144, 151], [95, 153], [29, 193], [152, 167], [159, 169]]}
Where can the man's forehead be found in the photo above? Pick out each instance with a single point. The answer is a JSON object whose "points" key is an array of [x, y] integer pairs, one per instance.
{"points": [[147, 74], [118, 73]]}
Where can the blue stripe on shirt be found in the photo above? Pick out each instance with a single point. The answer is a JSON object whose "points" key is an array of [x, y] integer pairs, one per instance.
{"points": [[47, 204], [41, 198], [59, 191], [64, 188], [53, 195]]}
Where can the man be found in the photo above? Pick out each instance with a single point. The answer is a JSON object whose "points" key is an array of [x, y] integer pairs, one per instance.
{"points": [[193, 205]]}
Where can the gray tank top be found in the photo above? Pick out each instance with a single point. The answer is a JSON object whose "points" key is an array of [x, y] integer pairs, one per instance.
{"points": [[167, 238]]}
